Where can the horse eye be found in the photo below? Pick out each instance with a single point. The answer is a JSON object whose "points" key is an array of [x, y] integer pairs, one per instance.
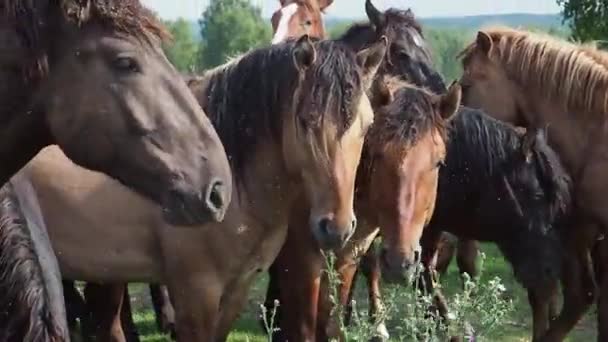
{"points": [[126, 64], [308, 23]]}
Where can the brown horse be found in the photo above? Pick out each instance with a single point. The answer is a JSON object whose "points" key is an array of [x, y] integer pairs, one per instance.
{"points": [[301, 132], [528, 79], [91, 77], [32, 298], [296, 18], [396, 185], [501, 186]]}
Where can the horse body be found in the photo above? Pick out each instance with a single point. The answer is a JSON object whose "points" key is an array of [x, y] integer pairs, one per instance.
{"points": [[529, 79]]}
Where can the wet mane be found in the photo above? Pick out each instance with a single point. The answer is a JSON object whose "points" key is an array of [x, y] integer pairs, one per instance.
{"points": [[31, 19], [409, 116], [250, 98], [488, 147], [25, 314], [571, 74]]}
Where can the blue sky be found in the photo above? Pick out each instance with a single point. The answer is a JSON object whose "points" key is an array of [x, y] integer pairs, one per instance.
{"points": [[171, 9]]}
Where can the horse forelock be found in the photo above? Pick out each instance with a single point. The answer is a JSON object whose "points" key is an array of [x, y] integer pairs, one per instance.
{"points": [[23, 297], [405, 120], [31, 19], [324, 95], [573, 75]]}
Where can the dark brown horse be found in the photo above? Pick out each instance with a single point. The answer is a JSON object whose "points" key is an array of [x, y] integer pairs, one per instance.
{"points": [[91, 77], [32, 299]]}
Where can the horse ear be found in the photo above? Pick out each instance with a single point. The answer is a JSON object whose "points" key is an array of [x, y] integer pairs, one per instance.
{"points": [[370, 59], [377, 18], [77, 10], [304, 54], [484, 41], [450, 101], [529, 142], [323, 4]]}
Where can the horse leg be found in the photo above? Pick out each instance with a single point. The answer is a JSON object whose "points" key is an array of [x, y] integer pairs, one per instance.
{"points": [[75, 307], [600, 260], [105, 302], [467, 256], [272, 305], [579, 287], [232, 305], [163, 309], [371, 270], [540, 299], [430, 240], [126, 318], [445, 252]]}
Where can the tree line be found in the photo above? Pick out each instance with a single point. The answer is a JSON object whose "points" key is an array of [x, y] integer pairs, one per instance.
{"points": [[230, 27]]}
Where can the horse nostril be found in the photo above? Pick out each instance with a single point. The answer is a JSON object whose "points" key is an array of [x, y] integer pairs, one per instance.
{"points": [[324, 227], [353, 224], [417, 256], [215, 198]]}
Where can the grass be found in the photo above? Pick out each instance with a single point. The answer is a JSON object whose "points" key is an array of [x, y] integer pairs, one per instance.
{"points": [[517, 327]]}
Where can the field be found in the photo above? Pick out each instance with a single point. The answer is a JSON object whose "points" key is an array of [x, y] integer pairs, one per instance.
{"points": [[517, 327]]}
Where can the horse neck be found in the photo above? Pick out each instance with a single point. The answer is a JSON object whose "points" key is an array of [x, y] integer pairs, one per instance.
{"points": [[21, 139], [265, 188]]}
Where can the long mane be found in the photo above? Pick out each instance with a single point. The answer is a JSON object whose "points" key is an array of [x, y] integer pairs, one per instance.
{"points": [[26, 314], [31, 20], [571, 74], [250, 98]]}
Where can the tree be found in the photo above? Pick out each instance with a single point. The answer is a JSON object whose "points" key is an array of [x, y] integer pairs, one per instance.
{"points": [[183, 50], [588, 19], [230, 27]]}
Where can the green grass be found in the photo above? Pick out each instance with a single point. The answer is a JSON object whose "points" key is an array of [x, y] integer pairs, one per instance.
{"points": [[517, 327]]}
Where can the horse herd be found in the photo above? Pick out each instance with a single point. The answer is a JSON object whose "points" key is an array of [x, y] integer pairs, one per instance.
{"points": [[118, 169]]}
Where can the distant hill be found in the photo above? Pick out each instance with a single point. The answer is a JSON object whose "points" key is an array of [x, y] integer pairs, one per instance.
{"points": [[469, 22], [476, 21]]}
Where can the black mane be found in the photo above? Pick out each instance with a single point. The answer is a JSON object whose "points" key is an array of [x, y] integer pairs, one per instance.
{"points": [[521, 205], [248, 99]]}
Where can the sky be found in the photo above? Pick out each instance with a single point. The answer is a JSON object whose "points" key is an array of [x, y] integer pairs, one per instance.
{"points": [[191, 9]]}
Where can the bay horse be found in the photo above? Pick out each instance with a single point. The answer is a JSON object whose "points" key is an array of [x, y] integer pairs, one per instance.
{"points": [[296, 18], [535, 80], [91, 77], [396, 185], [32, 298], [298, 133], [503, 187]]}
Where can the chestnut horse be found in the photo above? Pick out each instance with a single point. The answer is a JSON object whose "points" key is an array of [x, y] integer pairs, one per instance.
{"points": [[504, 187], [528, 79], [296, 18], [91, 77], [301, 132]]}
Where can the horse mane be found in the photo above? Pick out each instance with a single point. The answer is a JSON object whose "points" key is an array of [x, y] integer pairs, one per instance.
{"points": [[31, 19], [571, 74], [25, 314], [248, 97], [487, 146], [409, 116]]}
